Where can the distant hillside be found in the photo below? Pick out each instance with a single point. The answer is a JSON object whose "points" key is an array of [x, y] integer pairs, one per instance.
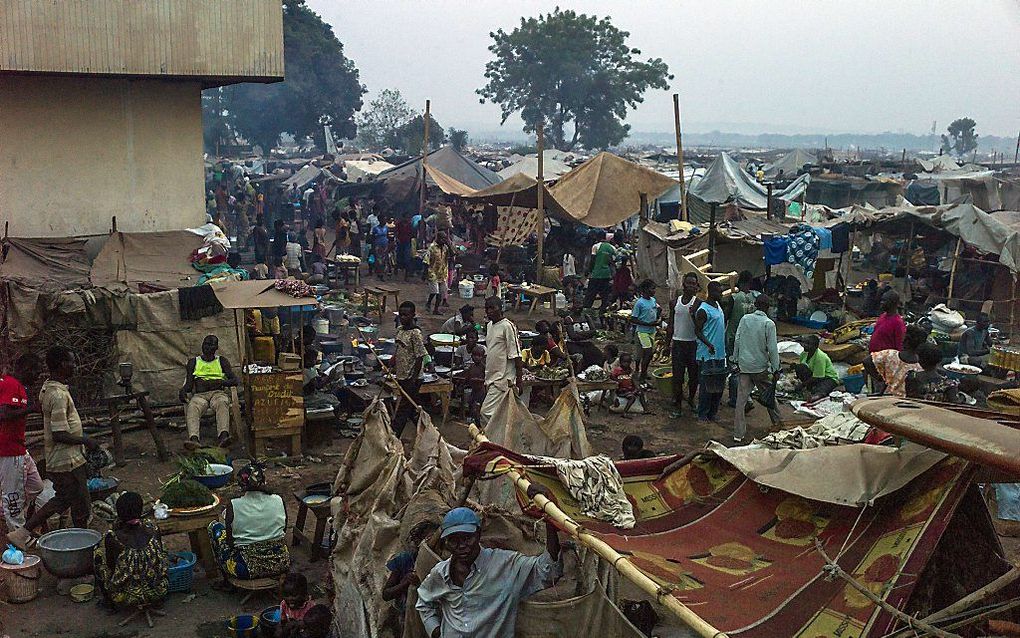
{"points": [[888, 141]]}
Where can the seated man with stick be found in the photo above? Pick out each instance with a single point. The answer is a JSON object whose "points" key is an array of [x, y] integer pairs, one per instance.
{"points": [[209, 376]]}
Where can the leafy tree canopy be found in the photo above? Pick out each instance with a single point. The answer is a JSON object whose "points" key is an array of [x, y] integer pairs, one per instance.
{"points": [[569, 68], [412, 135], [961, 138], [379, 124], [458, 139], [321, 87]]}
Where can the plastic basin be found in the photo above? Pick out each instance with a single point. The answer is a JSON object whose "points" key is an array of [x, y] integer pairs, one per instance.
{"points": [[220, 476]]}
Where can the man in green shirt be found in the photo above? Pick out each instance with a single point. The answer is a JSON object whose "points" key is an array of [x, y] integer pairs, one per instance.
{"points": [[742, 304], [815, 370], [600, 275]]}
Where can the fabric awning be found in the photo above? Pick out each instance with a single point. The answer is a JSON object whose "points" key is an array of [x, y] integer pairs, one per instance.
{"points": [[256, 294], [446, 183], [520, 191], [607, 189]]}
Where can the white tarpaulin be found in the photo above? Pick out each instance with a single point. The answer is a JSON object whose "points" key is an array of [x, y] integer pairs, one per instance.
{"points": [[726, 182]]}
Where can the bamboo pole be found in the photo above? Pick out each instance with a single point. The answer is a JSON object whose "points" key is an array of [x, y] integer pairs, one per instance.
{"points": [[617, 560], [952, 271], [680, 156], [424, 159], [976, 596], [540, 183]]}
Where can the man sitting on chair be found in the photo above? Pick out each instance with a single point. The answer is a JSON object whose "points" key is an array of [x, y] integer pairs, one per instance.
{"points": [[209, 376]]}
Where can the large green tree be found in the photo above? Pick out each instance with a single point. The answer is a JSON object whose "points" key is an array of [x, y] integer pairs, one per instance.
{"points": [[321, 86], [961, 138], [412, 134], [458, 138], [380, 123], [573, 69]]}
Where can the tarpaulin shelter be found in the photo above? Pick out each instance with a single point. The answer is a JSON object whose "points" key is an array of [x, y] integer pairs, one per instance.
{"points": [[840, 191], [447, 184], [160, 260], [607, 189], [790, 164], [726, 182], [45, 264], [551, 168], [521, 191], [306, 175], [731, 558], [450, 163]]}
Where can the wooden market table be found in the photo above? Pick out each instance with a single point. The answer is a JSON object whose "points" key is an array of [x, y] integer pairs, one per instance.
{"points": [[442, 387], [382, 291], [344, 268], [536, 292], [582, 386], [197, 529]]}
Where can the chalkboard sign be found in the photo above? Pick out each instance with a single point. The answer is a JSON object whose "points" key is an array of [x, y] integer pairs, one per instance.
{"points": [[277, 400]]}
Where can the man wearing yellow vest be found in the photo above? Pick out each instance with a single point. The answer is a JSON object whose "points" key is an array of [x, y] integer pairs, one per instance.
{"points": [[209, 376]]}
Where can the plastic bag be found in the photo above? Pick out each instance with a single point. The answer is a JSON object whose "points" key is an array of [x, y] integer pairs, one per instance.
{"points": [[945, 318], [13, 556]]}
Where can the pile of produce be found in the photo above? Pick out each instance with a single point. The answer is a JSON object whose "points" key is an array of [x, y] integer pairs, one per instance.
{"points": [[613, 336], [547, 373], [186, 493], [196, 465], [294, 288]]}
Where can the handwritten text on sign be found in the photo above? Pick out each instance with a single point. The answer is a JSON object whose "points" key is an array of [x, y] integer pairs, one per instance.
{"points": [[277, 400]]}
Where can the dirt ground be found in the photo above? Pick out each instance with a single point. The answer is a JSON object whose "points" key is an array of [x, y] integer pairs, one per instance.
{"points": [[203, 612]]}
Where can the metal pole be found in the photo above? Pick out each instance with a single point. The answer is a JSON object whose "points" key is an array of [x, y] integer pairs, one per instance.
{"points": [[424, 159], [711, 235], [1016, 155], [680, 156], [540, 195]]}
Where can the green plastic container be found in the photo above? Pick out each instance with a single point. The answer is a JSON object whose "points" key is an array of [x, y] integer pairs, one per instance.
{"points": [[664, 380]]}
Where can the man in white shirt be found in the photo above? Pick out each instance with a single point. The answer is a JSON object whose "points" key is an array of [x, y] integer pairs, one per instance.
{"points": [[503, 366]]}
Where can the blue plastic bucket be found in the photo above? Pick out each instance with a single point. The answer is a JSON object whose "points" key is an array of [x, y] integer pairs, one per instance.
{"points": [[854, 383]]}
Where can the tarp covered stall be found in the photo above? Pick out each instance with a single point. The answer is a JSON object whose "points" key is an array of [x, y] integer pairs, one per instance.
{"points": [[725, 182], [790, 164], [159, 260], [606, 190], [551, 168], [840, 191], [447, 184], [450, 163], [45, 264], [308, 174], [519, 191], [161, 343]]}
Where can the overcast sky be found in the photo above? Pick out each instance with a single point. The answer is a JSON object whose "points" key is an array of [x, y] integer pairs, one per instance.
{"points": [[749, 67]]}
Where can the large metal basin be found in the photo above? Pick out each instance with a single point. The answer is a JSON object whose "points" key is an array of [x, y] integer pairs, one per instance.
{"points": [[67, 553]]}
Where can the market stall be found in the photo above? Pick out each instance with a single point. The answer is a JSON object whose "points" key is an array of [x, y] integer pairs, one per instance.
{"points": [[271, 383]]}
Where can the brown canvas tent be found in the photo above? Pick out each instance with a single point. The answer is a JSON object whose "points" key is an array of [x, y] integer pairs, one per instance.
{"points": [[158, 260], [521, 191], [45, 264], [607, 189]]}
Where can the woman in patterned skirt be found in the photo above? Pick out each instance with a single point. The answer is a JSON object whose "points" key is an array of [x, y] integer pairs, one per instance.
{"points": [[249, 543], [131, 563]]}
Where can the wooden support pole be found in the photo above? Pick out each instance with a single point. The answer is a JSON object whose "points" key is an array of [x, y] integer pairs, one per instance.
{"points": [[622, 564], [1016, 154], [711, 233], [680, 157], [768, 201], [540, 195], [976, 596], [424, 158], [952, 269]]}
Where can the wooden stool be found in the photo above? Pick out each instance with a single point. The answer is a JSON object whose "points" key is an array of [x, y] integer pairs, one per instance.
{"points": [[148, 610], [255, 585], [140, 398], [322, 513]]}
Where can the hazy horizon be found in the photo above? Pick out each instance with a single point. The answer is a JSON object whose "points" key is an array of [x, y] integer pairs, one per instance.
{"points": [[779, 67]]}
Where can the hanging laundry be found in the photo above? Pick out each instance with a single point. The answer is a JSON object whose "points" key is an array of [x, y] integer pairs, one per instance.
{"points": [[824, 238], [776, 249], [803, 249], [840, 237]]}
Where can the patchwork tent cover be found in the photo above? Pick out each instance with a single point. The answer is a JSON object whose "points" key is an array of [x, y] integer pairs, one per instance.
{"points": [[743, 557], [519, 191], [451, 164]]}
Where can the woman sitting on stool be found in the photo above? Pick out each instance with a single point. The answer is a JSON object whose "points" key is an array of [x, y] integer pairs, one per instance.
{"points": [[249, 543], [130, 563]]}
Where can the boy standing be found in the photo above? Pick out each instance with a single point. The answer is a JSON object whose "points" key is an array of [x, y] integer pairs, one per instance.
{"points": [[645, 316]]}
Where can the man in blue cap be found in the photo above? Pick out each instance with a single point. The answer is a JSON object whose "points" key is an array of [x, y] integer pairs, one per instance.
{"points": [[475, 592]]}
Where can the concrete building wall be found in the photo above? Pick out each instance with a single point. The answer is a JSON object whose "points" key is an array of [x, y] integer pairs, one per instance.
{"points": [[77, 151], [218, 40]]}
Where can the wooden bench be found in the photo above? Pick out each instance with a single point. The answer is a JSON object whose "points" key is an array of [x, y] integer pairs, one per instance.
{"points": [[382, 292]]}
